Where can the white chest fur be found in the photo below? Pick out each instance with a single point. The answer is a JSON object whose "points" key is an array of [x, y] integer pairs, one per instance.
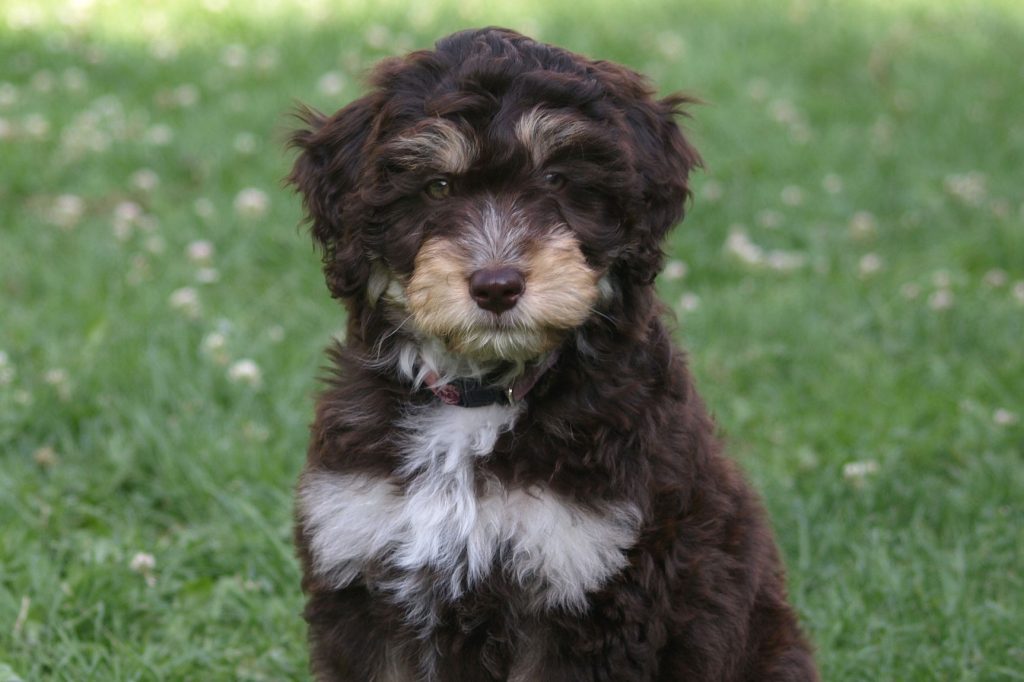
{"points": [[441, 521]]}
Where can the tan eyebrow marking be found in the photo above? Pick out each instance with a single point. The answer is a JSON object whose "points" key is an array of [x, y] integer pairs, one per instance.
{"points": [[438, 144], [543, 132]]}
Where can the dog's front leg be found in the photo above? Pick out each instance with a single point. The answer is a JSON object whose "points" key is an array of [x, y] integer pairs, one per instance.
{"points": [[352, 638], [605, 644]]}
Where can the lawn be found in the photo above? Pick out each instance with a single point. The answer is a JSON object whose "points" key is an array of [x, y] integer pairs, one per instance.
{"points": [[849, 282]]}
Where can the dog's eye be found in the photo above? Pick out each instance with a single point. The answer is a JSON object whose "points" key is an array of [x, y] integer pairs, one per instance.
{"points": [[438, 188], [554, 180]]}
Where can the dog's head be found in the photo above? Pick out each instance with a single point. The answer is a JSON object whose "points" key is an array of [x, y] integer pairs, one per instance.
{"points": [[490, 193]]}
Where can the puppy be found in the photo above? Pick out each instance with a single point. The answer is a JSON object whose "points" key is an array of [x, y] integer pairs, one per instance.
{"points": [[511, 476]]}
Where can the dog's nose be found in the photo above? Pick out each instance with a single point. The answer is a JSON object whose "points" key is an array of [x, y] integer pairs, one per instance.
{"points": [[496, 289]]}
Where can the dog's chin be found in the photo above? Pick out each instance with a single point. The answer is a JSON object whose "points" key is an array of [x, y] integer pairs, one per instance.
{"points": [[492, 343]]}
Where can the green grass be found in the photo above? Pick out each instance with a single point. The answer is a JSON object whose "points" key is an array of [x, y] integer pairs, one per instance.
{"points": [[848, 135]]}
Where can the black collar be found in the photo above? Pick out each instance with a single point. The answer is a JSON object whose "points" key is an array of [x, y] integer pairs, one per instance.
{"points": [[479, 393]]}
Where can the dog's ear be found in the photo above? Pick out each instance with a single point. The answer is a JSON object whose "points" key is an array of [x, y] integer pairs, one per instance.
{"points": [[663, 160], [326, 173], [666, 161]]}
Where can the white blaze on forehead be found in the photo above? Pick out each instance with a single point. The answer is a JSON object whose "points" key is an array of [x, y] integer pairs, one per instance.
{"points": [[497, 236], [439, 144], [543, 132]]}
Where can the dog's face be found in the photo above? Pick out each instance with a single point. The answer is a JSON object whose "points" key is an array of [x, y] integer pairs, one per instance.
{"points": [[492, 193]]}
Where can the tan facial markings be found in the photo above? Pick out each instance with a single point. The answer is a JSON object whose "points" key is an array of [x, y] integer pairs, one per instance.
{"points": [[561, 290], [544, 132], [562, 286], [438, 144]]}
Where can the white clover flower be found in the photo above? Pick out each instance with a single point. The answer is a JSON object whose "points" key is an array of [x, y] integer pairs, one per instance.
{"points": [[863, 224], [832, 183], [739, 244], [377, 36], [1018, 291], [145, 179], [942, 279], [1003, 417], [203, 207], [67, 210], [126, 216], [36, 125], [42, 81], [251, 203], [1000, 208], [671, 45], [858, 472], [758, 89], [969, 188], [331, 83], [186, 95], [800, 132], [711, 191], [186, 299], [24, 16], [792, 195], [60, 380], [164, 49], [214, 342], [155, 244], [250, 585], [8, 94], [942, 299], [267, 59], [675, 269], [245, 371], [200, 251], [245, 143], [769, 219], [996, 278], [869, 264], [207, 275], [234, 56], [144, 564], [159, 135], [6, 370], [689, 302], [74, 79], [215, 345], [46, 457], [255, 432], [881, 133], [785, 261], [783, 111], [56, 376], [910, 290]]}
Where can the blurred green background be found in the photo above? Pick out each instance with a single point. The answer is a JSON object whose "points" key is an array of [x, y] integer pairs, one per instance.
{"points": [[849, 282]]}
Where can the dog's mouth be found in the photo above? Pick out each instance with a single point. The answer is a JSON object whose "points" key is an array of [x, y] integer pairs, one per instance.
{"points": [[500, 342]]}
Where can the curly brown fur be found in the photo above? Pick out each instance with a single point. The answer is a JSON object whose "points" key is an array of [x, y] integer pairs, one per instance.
{"points": [[593, 530]]}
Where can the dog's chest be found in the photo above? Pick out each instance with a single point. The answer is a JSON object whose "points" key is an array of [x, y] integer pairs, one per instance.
{"points": [[441, 522]]}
